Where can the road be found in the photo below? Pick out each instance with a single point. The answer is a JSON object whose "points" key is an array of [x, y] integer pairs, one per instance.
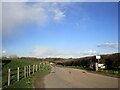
{"points": [[74, 78]]}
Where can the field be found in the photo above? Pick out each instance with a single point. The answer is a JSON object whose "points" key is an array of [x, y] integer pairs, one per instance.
{"points": [[24, 82]]}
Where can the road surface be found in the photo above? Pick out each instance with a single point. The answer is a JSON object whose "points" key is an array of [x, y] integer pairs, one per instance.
{"points": [[74, 78]]}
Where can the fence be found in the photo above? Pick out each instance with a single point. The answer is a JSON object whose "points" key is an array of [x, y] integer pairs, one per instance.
{"points": [[13, 75]]}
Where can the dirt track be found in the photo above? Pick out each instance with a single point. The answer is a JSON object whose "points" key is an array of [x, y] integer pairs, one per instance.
{"points": [[73, 78]]}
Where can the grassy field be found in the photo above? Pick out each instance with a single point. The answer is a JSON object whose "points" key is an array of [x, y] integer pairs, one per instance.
{"points": [[14, 63], [24, 82]]}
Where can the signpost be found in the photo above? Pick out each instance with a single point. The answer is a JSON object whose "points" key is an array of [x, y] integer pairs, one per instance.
{"points": [[96, 65]]}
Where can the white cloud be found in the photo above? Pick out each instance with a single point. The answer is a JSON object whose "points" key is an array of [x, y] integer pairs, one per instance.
{"points": [[109, 45], [4, 52], [17, 14], [90, 52], [44, 51], [58, 14]]}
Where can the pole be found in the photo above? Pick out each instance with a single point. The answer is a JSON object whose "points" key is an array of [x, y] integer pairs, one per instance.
{"points": [[96, 66], [18, 74], [8, 77]]}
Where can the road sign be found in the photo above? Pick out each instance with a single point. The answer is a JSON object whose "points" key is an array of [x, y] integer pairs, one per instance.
{"points": [[98, 57]]}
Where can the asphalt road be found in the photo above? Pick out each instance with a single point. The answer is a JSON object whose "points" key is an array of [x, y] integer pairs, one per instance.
{"points": [[74, 78]]}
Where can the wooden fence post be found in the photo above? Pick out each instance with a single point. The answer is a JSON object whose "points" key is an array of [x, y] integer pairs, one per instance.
{"points": [[33, 68], [29, 70], [8, 77], [37, 67], [18, 74], [24, 71]]}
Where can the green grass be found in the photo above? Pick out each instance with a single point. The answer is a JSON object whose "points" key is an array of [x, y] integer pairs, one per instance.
{"points": [[18, 63], [112, 72], [24, 82]]}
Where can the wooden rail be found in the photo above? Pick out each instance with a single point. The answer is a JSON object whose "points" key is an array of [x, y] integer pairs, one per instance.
{"points": [[18, 73]]}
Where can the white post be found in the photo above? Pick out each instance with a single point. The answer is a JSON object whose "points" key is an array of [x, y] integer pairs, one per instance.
{"points": [[96, 66], [18, 74], [8, 77]]}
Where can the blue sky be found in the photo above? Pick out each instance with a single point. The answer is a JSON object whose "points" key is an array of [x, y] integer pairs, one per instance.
{"points": [[60, 29]]}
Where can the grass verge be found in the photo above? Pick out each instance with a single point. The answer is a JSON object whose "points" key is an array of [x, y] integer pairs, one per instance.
{"points": [[112, 72]]}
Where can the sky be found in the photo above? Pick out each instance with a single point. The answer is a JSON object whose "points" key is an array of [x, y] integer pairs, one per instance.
{"points": [[59, 29]]}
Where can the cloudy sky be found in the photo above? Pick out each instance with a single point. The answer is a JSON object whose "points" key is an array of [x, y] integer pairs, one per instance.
{"points": [[67, 29]]}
